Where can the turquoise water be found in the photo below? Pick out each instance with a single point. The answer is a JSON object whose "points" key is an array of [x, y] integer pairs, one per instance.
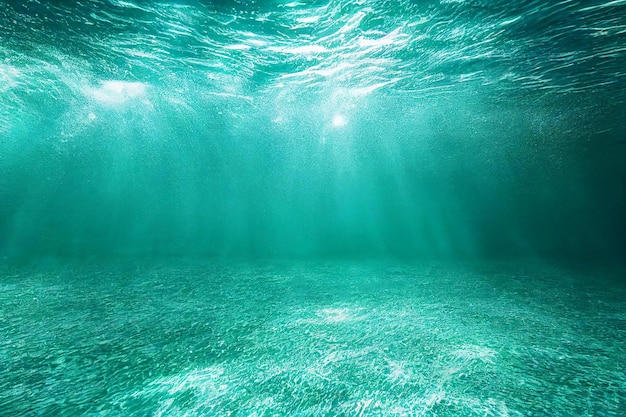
{"points": [[311, 338], [312, 208], [431, 129]]}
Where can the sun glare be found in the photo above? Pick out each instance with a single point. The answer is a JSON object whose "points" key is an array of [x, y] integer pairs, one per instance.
{"points": [[339, 120]]}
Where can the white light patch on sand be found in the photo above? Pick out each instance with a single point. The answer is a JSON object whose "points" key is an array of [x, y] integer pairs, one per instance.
{"points": [[209, 381], [331, 315], [398, 371], [472, 352], [337, 315]]}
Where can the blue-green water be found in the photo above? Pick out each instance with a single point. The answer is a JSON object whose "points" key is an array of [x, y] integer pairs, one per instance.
{"points": [[318, 128], [316, 207], [310, 339]]}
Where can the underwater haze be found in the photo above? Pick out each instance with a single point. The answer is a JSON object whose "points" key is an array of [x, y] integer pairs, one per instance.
{"points": [[312, 208], [316, 128]]}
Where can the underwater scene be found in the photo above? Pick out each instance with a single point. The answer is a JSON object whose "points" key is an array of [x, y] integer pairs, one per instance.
{"points": [[312, 208]]}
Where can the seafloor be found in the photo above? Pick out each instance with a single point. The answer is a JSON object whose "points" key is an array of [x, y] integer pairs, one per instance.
{"points": [[189, 338]]}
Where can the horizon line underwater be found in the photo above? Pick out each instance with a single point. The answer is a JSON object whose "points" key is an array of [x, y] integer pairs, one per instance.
{"points": [[350, 208]]}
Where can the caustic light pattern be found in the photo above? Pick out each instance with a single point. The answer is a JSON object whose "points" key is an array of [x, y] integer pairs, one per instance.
{"points": [[312, 208], [311, 339]]}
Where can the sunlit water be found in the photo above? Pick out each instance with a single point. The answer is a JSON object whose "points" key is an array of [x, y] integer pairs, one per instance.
{"points": [[313, 128], [394, 339], [449, 135]]}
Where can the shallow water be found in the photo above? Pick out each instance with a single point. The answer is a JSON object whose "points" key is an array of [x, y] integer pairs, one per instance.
{"points": [[309, 338], [370, 128], [179, 180]]}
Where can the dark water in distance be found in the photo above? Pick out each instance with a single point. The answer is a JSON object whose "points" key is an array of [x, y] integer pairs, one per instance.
{"points": [[312, 208]]}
